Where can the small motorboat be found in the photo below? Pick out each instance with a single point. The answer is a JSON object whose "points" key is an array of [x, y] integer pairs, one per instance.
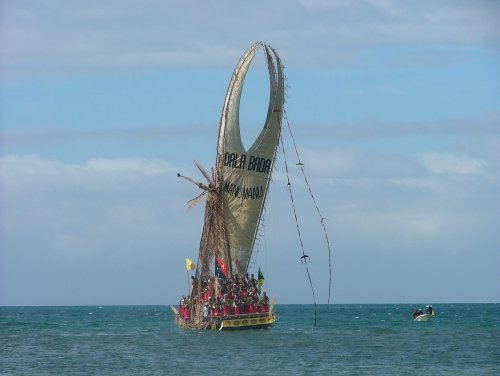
{"points": [[423, 317], [420, 315]]}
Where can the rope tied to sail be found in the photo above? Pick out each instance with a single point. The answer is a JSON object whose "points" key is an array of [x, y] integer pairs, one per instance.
{"points": [[304, 257], [300, 165]]}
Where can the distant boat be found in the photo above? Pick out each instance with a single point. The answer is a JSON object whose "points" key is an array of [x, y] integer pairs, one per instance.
{"points": [[420, 315], [423, 317], [223, 295]]}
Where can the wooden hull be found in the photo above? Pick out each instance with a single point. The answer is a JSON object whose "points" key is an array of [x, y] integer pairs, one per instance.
{"points": [[234, 322], [248, 322]]}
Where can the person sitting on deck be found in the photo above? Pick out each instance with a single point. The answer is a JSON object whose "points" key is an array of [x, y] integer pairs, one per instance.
{"points": [[252, 308], [187, 313], [237, 307], [264, 302], [214, 311], [226, 310], [217, 307], [181, 306], [193, 286], [253, 281]]}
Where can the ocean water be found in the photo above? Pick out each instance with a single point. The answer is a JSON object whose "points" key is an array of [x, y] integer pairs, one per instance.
{"points": [[463, 339]]}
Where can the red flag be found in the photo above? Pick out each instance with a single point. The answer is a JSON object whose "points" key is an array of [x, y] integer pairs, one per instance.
{"points": [[220, 268]]}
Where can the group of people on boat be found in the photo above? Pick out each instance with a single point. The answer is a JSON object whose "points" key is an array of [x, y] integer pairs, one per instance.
{"points": [[429, 310], [225, 297]]}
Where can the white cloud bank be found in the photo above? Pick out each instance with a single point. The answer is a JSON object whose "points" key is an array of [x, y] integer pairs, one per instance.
{"points": [[116, 231], [130, 34], [441, 163], [76, 233]]}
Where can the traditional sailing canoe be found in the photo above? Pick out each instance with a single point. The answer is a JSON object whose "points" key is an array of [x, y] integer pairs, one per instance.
{"points": [[236, 194]]}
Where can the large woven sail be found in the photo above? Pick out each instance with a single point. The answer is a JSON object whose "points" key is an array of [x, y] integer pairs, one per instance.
{"points": [[244, 175]]}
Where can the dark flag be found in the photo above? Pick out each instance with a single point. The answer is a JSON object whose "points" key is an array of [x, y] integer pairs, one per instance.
{"points": [[220, 269]]}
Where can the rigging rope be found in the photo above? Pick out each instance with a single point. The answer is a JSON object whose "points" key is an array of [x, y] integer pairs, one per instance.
{"points": [[304, 256], [322, 219]]}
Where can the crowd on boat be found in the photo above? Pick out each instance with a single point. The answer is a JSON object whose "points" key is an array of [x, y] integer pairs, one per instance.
{"points": [[225, 297]]}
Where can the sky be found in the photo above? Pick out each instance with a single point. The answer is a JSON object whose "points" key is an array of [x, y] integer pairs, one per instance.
{"points": [[394, 107]]}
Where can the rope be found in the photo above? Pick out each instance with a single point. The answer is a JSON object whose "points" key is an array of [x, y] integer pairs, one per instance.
{"points": [[304, 256], [322, 219]]}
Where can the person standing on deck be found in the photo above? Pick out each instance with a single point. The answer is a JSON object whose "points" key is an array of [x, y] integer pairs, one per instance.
{"points": [[206, 312]]}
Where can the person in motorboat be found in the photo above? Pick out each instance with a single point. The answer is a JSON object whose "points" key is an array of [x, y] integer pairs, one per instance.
{"points": [[417, 313], [429, 310]]}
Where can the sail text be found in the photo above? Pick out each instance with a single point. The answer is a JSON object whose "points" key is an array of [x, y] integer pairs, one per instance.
{"points": [[245, 193], [250, 163]]}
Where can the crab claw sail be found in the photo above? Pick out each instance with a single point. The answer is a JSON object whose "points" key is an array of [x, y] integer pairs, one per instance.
{"points": [[244, 175]]}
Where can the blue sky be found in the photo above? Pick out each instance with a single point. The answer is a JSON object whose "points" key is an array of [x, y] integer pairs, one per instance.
{"points": [[395, 108]]}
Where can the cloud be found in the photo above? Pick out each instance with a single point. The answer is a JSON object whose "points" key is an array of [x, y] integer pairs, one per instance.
{"points": [[422, 212], [116, 230], [398, 201], [37, 135], [152, 167], [373, 129], [423, 21], [67, 225], [441, 163], [54, 36]]}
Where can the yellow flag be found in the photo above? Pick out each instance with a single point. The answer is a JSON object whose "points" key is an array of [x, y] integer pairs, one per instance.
{"points": [[190, 265]]}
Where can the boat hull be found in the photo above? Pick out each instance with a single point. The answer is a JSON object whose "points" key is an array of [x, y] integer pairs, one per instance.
{"points": [[423, 317], [245, 322], [234, 322]]}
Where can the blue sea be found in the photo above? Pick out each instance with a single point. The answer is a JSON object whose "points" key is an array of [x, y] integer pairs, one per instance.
{"points": [[463, 339]]}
